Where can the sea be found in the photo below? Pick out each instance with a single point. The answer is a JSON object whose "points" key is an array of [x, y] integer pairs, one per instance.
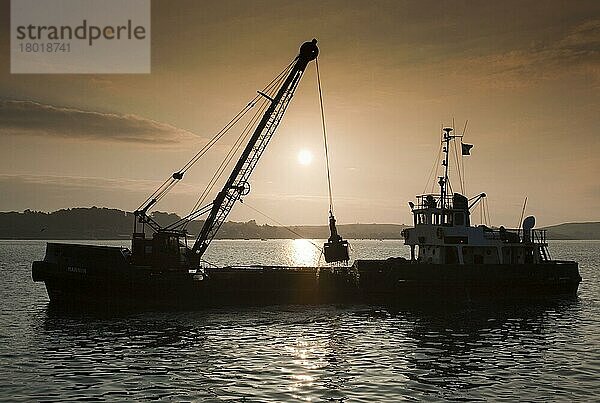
{"points": [[521, 351]]}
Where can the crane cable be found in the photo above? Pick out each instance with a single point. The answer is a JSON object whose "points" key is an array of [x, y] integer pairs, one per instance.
{"points": [[324, 137], [170, 182], [460, 177], [433, 171], [288, 228], [226, 161], [300, 236], [270, 90]]}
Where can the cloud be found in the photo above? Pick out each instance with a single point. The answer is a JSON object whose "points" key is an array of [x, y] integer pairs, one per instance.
{"points": [[28, 118], [568, 54], [52, 192], [575, 52], [585, 36], [104, 184]]}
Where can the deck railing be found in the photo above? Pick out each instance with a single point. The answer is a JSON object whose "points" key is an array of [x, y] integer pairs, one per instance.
{"points": [[515, 235], [423, 203], [538, 236]]}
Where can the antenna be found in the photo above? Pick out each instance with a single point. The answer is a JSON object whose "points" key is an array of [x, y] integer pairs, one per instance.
{"points": [[522, 214]]}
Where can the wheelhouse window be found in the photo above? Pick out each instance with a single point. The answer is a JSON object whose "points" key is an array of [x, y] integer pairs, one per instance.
{"points": [[424, 218], [449, 218]]}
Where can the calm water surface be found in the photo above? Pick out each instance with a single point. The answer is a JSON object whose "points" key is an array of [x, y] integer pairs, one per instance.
{"points": [[542, 351]]}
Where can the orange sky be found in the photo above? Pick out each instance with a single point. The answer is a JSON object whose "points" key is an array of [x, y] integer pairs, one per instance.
{"points": [[525, 74]]}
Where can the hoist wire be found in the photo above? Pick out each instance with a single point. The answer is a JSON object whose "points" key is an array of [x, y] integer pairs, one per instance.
{"points": [[168, 184], [157, 191], [225, 162], [324, 136], [280, 224], [481, 212], [235, 147], [209, 263], [189, 217], [483, 217], [485, 220], [236, 119], [484, 212], [162, 190], [220, 134], [433, 171], [454, 157], [167, 189], [460, 179], [320, 257]]}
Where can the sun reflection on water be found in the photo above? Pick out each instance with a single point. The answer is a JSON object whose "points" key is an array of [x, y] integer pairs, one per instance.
{"points": [[307, 358], [302, 252]]}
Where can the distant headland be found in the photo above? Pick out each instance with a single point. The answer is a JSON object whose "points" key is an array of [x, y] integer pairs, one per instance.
{"points": [[104, 223]]}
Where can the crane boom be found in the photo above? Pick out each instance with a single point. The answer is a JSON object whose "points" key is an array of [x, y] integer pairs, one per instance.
{"points": [[237, 183]]}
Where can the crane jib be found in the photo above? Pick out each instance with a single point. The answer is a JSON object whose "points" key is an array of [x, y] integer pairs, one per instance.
{"points": [[237, 183]]}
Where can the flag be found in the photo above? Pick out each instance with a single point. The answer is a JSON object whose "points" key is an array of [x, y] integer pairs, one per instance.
{"points": [[466, 148]]}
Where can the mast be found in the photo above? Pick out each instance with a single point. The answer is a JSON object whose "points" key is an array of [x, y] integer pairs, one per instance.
{"points": [[443, 180], [237, 185]]}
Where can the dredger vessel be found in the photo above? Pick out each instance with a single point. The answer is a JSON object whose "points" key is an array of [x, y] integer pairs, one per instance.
{"points": [[450, 257]]}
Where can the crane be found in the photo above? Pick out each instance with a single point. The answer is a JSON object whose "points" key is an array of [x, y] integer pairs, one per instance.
{"points": [[236, 186]]}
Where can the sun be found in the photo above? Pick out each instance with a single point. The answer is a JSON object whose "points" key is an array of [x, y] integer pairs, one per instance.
{"points": [[305, 157]]}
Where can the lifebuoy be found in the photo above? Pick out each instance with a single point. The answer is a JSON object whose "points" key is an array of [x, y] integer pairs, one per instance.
{"points": [[440, 233]]}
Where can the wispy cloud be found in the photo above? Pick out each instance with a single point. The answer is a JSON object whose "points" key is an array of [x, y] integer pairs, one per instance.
{"points": [[565, 54], [51, 192], [83, 182], [576, 52], [28, 118]]}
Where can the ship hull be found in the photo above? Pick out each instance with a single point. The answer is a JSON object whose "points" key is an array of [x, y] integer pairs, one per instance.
{"points": [[103, 278], [401, 280], [251, 286]]}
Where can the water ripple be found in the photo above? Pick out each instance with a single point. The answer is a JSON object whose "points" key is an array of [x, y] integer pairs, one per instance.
{"points": [[283, 353]]}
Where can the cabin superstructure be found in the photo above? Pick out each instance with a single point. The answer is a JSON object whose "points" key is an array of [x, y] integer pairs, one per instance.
{"points": [[443, 234]]}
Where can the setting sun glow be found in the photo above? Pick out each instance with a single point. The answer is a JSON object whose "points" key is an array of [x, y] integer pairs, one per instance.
{"points": [[305, 157]]}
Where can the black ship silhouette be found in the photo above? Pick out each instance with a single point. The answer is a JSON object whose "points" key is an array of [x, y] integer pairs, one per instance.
{"points": [[449, 257]]}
